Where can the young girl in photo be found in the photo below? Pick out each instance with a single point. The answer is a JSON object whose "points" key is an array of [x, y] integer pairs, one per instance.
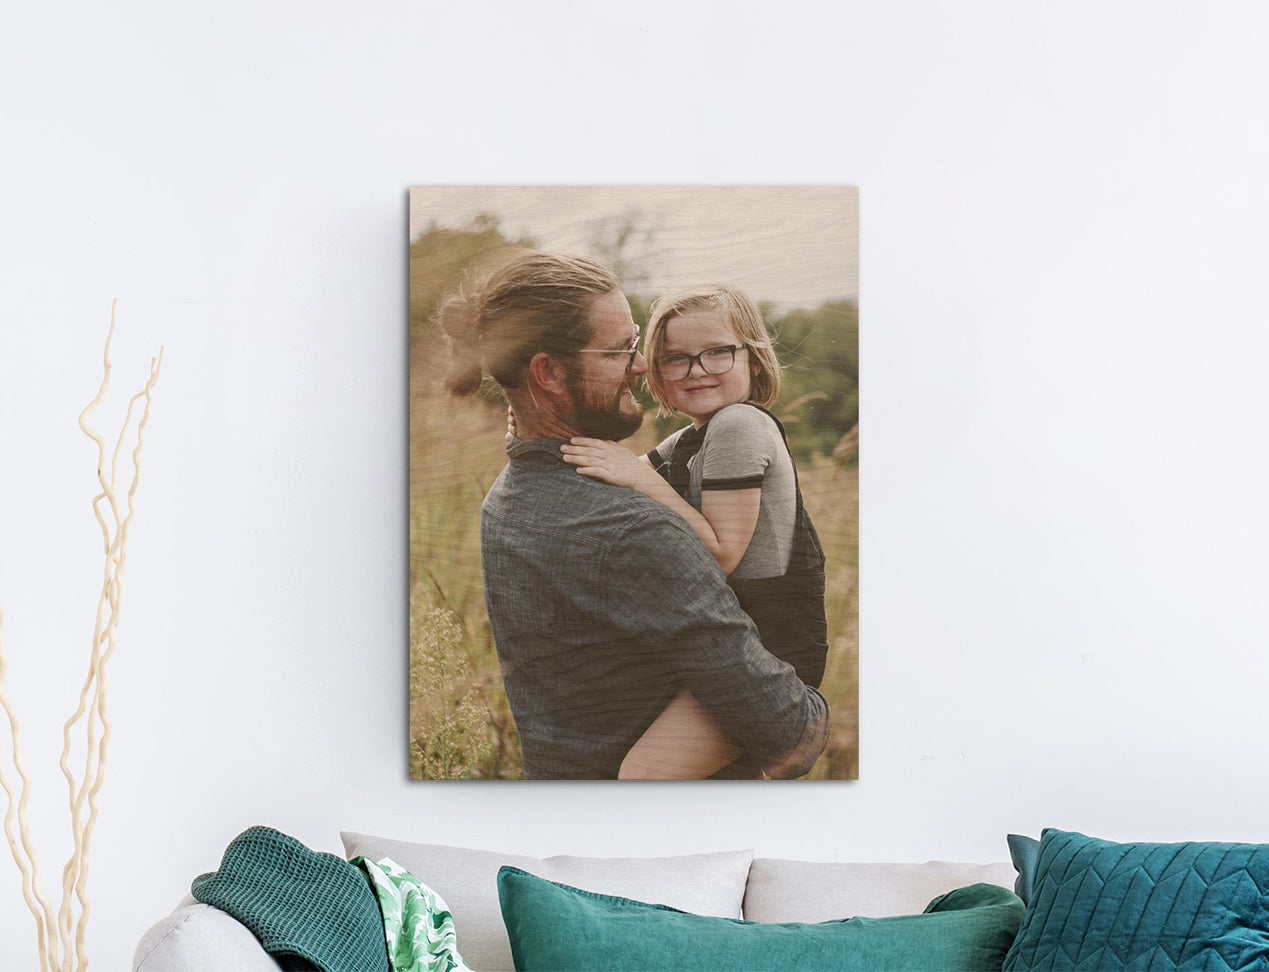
{"points": [[731, 477]]}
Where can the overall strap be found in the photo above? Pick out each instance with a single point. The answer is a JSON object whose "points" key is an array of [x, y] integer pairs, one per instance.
{"points": [[808, 552], [675, 470]]}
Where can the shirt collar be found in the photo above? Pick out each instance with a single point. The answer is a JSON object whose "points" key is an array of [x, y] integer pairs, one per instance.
{"points": [[522, 447]]}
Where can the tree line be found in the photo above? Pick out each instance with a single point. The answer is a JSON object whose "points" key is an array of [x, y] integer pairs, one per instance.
{"points": [[818, 347]]}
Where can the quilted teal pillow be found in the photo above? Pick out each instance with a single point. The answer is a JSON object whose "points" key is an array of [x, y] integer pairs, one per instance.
{"points": [[564, 929], [1103, 906]]}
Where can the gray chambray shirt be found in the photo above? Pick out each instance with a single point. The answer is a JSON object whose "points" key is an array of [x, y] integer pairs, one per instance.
{"points": [[604, 604]]}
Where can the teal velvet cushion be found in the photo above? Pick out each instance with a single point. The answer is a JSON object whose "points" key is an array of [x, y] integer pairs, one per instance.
{"points": [[1104, 906], [561, 928]]}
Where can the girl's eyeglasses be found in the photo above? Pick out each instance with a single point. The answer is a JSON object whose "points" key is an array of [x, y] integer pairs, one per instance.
{"points": [[713, 361]]}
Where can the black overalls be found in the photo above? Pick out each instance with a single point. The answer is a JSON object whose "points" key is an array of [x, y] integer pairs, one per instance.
{"points": [[788, 610]]}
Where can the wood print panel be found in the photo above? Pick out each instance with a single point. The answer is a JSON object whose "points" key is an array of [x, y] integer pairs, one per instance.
{"points": [[793, 250]]}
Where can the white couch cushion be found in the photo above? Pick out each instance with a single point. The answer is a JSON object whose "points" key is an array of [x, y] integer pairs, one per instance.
{"points": [[199, 938], [707, 884], [806, 891]]}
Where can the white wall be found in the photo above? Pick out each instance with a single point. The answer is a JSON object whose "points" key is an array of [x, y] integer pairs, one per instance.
{"points": [[1064, 213]]}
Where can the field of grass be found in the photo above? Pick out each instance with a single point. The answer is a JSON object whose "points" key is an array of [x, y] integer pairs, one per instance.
{"points": [[460, 721]]}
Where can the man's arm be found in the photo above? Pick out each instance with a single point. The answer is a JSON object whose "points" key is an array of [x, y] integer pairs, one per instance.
{"points": [[799, 760], [669, 592]]}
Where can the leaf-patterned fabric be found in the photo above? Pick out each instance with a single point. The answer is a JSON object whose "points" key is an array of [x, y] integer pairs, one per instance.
{"points": [[416, 921]]}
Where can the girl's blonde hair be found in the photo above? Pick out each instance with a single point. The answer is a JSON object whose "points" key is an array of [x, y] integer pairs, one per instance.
{"points": [[742, 316], [531, 302]]}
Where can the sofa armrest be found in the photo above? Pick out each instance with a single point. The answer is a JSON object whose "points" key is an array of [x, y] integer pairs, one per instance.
{"points": [[196, 937]]}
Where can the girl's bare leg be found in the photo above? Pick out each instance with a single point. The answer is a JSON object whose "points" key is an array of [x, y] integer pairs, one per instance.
{"points": [[684, 743]]}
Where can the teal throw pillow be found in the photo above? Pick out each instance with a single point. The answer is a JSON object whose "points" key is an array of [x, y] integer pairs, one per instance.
{"points": [[1105, 906], [561, 928], [1024, 852]]}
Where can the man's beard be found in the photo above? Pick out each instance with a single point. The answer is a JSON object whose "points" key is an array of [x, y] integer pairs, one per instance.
{"points": [[601, 416]]}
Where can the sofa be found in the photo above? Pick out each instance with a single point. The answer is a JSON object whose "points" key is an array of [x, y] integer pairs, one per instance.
{"points": [[1063, 901]]}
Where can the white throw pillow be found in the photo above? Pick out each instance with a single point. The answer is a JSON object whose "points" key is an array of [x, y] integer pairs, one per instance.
{"points": [[706, 884]]}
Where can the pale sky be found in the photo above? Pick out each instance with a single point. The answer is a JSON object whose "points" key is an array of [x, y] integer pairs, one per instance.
{"points": [[795, 246]]}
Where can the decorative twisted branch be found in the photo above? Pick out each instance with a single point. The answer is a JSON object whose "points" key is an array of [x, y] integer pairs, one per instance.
{"points": [[59, 951]]}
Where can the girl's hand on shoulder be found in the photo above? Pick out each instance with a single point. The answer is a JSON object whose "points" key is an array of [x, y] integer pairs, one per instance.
{"points": [[606, 460], [511, 424]]}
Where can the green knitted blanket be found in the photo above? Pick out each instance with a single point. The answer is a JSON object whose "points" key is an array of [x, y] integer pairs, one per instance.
{"points": [[311, 911]]}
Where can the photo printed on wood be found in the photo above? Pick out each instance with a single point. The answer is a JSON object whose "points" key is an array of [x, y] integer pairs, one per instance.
{"points": [[634, 482]]}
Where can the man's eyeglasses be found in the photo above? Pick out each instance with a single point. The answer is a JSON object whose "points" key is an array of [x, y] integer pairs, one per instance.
{"points": [[631, 353], [713, 361]]}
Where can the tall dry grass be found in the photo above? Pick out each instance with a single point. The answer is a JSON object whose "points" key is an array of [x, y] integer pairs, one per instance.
{"points": [[456, 452], [830, 491]]}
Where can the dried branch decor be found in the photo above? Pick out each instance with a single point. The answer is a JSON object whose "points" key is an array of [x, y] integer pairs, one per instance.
{"points": [[61, 936]]}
